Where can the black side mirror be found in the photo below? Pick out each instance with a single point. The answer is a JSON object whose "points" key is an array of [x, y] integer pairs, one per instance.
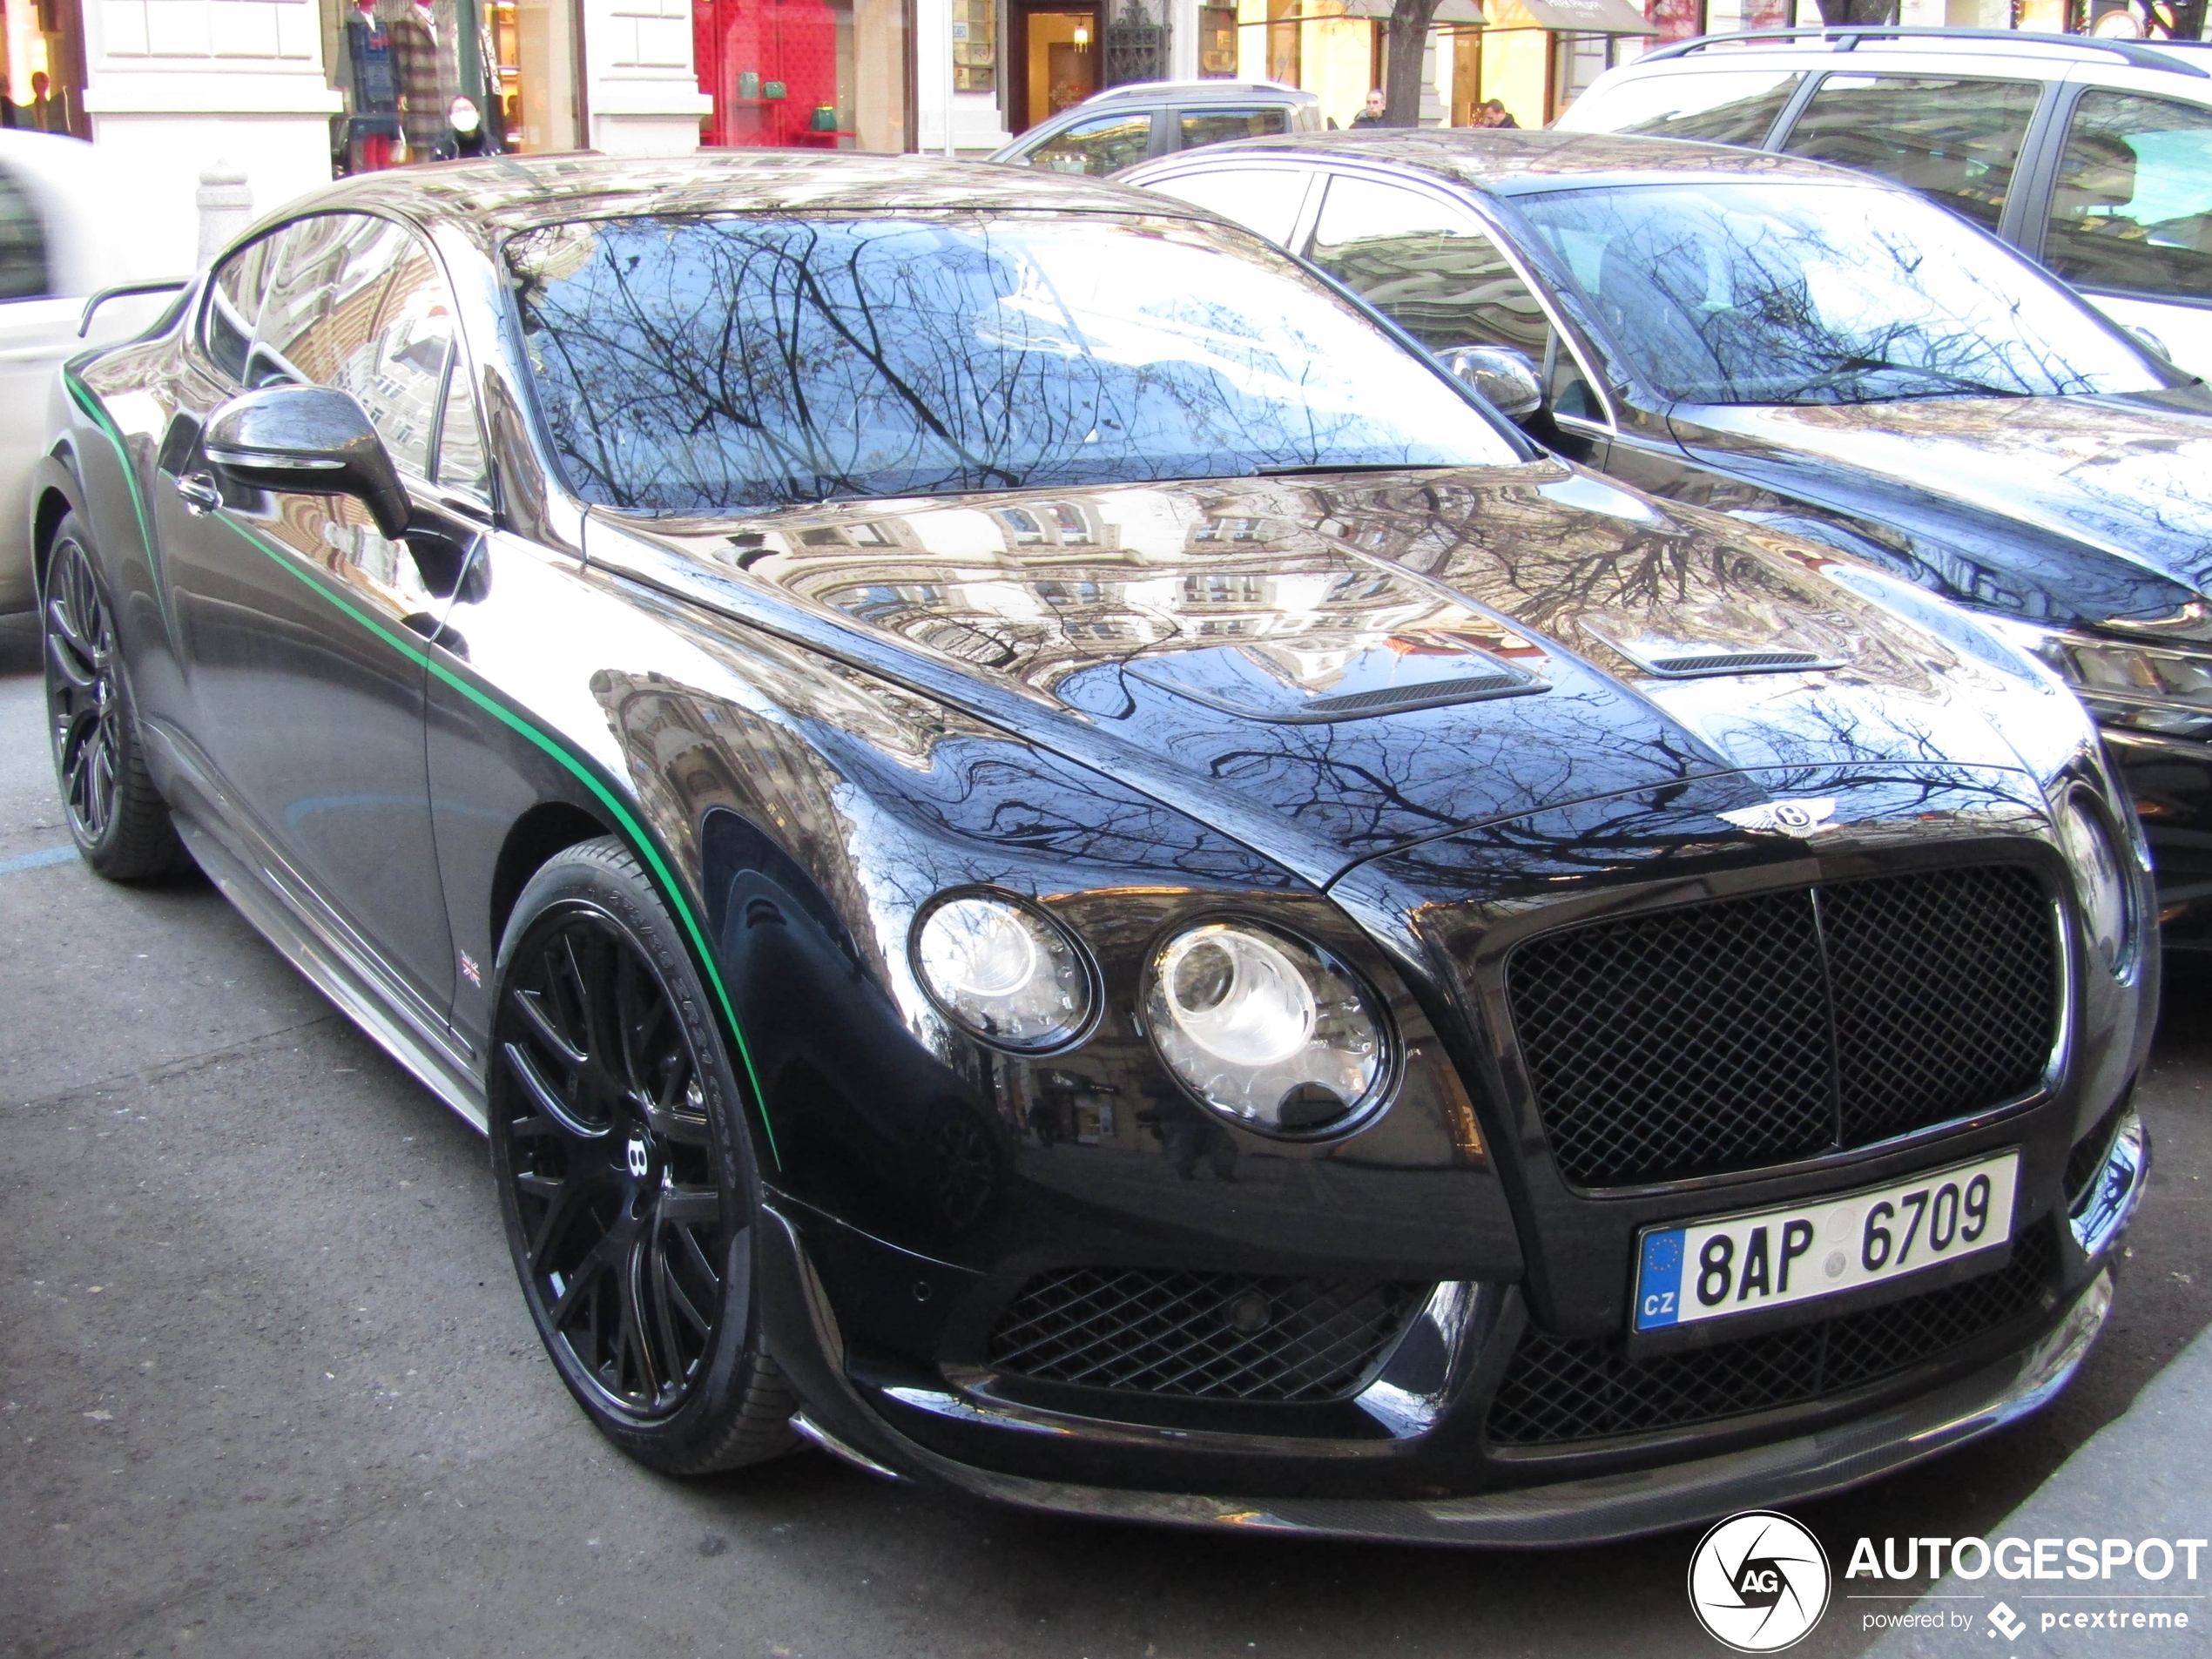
{"points": [[1505, 378], [307, 441]]}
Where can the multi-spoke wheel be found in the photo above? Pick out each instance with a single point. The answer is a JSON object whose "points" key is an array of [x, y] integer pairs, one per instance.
{"points": [[118, 821], [624, 1171]]}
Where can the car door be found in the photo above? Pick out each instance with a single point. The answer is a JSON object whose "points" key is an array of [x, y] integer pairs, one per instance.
{"points": [[2128, 216], [304, 691]]}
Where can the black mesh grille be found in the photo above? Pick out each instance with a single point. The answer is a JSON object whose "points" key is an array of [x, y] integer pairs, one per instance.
{"points": [[1222, 1336], [1748, 1032], [1558, 1389]]}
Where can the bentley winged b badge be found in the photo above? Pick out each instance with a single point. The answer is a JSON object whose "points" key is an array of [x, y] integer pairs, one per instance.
{"points": [[1802, 818]]}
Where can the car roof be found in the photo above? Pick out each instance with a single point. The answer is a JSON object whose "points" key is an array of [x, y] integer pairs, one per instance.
{"points": [[2175, 56], [1198, 91], [1505, 161], [493, 197]]}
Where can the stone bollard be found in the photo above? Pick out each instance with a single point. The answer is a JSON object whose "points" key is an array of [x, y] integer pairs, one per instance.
{"points": [[225, 204]]}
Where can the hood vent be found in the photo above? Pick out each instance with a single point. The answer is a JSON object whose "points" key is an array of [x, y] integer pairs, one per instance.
{"points": [[1262, 681], [1680, 659]]}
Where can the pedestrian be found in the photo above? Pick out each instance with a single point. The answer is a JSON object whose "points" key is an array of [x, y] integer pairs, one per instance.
{"points": [[1372, 115], [1494, 114]]}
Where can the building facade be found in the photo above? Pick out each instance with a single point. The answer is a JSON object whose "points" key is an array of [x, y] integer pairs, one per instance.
{"points": [[289, 93]]}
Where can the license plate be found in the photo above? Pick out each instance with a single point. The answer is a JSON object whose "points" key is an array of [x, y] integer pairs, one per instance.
{"points": [[1769, 1259]]}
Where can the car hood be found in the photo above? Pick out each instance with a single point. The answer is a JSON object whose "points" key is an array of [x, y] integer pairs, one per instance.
{"points": [[2070, 509], [1334, 667]]}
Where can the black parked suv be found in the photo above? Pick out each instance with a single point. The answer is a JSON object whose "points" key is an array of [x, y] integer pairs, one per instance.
{"points": [[1123, 126]]}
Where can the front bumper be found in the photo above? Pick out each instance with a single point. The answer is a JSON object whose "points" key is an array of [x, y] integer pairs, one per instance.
{"points": [[1050, 1463], [1592, 1510]]}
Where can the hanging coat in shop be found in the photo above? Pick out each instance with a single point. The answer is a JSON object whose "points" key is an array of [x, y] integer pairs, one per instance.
{"points": [[376, 93], [414, 56]]}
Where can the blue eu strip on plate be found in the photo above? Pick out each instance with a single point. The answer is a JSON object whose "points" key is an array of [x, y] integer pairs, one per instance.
{"points": [[1659, 1281]]}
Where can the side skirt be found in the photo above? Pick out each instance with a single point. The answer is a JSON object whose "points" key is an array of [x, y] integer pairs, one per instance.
{"points": [[328, 965]]}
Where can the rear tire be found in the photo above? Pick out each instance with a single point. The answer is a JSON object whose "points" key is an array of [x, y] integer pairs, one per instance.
{"points": [[117, 818], [625, 1171]]}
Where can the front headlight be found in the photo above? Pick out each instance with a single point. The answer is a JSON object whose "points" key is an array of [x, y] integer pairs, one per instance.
{"points": [[1264, 1027], [2098, 875], [1004, 971], [2142, 688]]}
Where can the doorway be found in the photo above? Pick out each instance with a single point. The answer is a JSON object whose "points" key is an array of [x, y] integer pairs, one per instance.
{"points": [[1056, 49]]}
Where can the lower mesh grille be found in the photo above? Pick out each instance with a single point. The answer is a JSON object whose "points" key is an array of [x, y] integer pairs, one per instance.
{"points": [[1219, 1336], [1559, 1389]]}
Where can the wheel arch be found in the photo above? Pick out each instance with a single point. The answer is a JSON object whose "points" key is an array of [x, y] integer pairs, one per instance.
{"points": [[54, 491], [546, 830]]}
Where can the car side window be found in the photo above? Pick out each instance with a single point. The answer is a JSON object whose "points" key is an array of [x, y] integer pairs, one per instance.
{"points": [[1200, 127], [1956, 140], [23, 273], [410, 352], [2132, 207], [1101, 144], [461, 465], [1264, 200], [234, 304], [318, 322], [1429, 267], [1718, 106]]}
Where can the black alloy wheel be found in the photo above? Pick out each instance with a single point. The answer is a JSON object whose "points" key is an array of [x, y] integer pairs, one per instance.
{"points": [[118, 820], [625, 1173]]}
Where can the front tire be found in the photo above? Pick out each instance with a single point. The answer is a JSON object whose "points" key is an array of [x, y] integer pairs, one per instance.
{"points": [[118, 820], [625, 1171]]}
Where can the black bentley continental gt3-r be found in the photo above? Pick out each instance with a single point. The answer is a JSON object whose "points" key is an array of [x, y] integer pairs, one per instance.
{"points": [[1054, 862]]}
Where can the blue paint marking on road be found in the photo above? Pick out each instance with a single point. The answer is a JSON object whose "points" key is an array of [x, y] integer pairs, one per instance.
{"points": [[38, 860]]}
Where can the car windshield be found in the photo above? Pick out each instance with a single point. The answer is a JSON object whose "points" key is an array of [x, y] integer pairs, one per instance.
{"points": [[702, 364], [1766, 292]]}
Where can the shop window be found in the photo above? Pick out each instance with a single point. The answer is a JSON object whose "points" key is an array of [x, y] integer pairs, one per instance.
{"points": [[2133, 207], [975, 45], [1956, 140], [808, 74], [42, 53], [430, 80], [1218, 42]]}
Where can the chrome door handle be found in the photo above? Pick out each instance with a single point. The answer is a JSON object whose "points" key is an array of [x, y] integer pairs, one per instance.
{"points": [[199, 492]]}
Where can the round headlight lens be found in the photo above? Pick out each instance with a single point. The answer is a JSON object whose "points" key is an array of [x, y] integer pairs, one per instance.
{"points": [[1004, 971], [1264, 1028], [2098, 876]]}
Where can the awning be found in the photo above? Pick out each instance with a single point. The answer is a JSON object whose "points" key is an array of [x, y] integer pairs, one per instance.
{"points": [[1573, 17], [1462, 12]]}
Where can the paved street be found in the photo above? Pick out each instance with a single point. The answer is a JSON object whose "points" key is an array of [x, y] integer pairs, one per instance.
{"points": [[266, 1385]]}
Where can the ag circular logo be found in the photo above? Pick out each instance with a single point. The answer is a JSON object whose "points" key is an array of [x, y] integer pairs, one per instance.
{"points": [[1758, 1582]]}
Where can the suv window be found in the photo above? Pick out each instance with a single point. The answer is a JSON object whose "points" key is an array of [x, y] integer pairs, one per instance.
{"points": [[1264, 200], [1956, 140], [1200, 127], [318, 321], [23, 244], [1730, 107], [2132, 208], [1103, 143], [1429, 267]]}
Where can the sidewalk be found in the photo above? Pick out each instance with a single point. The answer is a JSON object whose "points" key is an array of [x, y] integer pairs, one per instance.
{"points": [[2149, 1474]]}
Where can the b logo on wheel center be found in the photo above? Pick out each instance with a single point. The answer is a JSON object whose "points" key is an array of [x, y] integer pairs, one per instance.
{"points": [[640, 1159]]}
